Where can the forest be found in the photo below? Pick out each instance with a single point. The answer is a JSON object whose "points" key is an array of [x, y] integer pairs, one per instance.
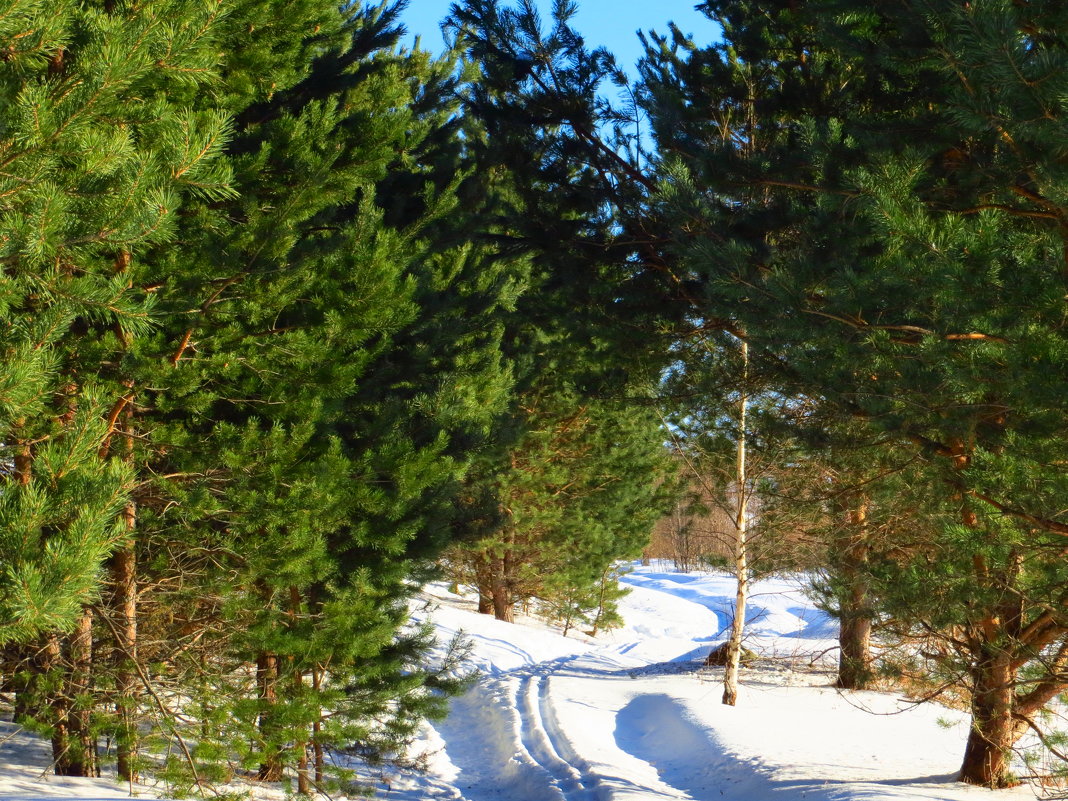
{"points": [[297, 318]]}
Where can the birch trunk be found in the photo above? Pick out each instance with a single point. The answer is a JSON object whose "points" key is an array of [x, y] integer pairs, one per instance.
{"points": [[741, 556]]}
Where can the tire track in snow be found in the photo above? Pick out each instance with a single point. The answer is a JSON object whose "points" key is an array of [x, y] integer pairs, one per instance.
{"points": [[481, 738], [544, 737], [505, 741], [508, 741], [543, 740]]}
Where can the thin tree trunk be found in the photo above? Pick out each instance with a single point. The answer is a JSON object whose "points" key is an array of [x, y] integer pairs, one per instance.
{"points": [[317, 746], [27, 700], [267, 683], [600, 603], [741, 556], [301, 746], [22, 676], [854, 637], [303, 782], [124, 581]]}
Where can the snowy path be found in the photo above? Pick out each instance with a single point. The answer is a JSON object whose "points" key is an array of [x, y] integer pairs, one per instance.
{"points": [[520, 750], [630, 718]]}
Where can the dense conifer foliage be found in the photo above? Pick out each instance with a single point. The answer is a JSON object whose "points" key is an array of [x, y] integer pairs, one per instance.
{"points": [[250, 356], [261, 319], [578, 473], [288, 312], [872, 194], [98, 153]]}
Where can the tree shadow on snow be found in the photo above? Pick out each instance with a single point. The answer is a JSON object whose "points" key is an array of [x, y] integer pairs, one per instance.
{"points": [[688, 757]]}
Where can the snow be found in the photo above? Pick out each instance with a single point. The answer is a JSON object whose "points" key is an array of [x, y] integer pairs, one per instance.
{"points": [[25, 774], [632, 715]]}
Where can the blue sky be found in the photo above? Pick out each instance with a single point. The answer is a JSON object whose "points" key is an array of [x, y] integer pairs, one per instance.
{"points": [[611, 23]]}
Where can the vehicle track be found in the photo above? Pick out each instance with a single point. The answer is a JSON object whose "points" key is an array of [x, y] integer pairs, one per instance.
{"points": [[523, 750], [543, 741], [481, 746]]}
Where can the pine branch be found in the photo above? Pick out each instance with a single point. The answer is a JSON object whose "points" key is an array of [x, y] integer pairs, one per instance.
{"points": [[1040, 522]]}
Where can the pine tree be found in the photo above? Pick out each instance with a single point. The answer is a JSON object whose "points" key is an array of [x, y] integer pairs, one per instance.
{"points": [[580, 489], [96, 162], [543, 515], [99, 151], [903, 264], [329, 361], [277, 387]]}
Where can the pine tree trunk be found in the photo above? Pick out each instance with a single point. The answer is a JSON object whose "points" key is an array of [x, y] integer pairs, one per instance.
{"points": [[600, 603], [503, 606], [27, 702], [73, 751], [124, 580], [854, 637], [303, 782], [741, 556], [267, 683], [21, 675], [64, 749], [81, 749], [23, 465], [854, 658], [484, 582], [317, 746], [993, 726], [301, 746], [993, 731], [124, 585]]}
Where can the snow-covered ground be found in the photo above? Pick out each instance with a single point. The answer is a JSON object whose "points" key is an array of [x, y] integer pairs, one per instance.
{"points": [[25, 774], [633, 716]]}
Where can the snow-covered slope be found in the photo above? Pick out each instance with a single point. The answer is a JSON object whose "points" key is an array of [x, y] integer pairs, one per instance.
{"points": [[631, 715]]}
